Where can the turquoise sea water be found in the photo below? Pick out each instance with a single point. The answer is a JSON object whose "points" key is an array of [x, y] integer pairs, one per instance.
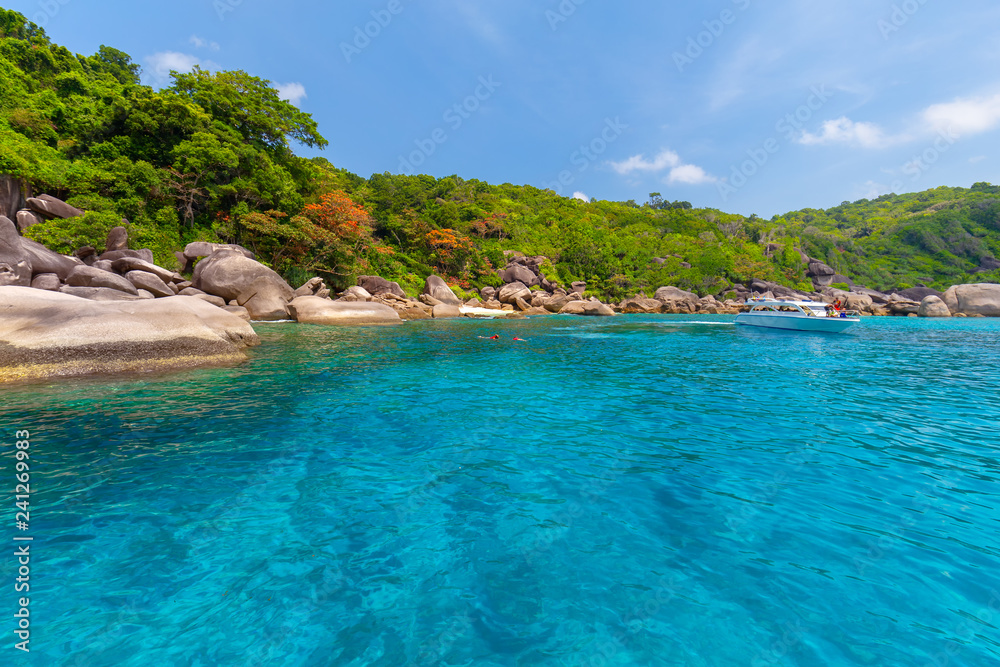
{"points": [[627, 491]]}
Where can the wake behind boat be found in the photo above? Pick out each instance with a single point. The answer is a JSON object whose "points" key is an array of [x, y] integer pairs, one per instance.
{"points": [[797, 316]]}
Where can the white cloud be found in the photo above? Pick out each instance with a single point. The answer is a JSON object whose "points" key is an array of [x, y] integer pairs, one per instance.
{"points": [[689, 174], [971, 115], [679, 171], [200, 43], [845, 131], [582, 197], [293, 92], [640, 163], [161, 64]]}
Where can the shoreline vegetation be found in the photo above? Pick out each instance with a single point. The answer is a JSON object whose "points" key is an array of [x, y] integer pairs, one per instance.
{"points": [[144, 228]]}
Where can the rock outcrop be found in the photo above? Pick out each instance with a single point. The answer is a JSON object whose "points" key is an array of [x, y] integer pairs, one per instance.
{"points": [[91, 276], [376, 286], [314, 310], [50, 207], [976, 299], [438, 289], [12, 195], [15, 264], [47, 334], [933, 306]]}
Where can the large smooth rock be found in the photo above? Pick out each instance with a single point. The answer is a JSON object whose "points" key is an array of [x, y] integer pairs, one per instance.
{"points": [[858, 301], [12, 197], [125, 264], [314, 310], [672, 293], [50, 207], [198, 249], [266, 298], [310, 287], [578, 287], [375, 285], [589, 308], [144, 280], [641, 305], [444, 311], [100, 293], [117, 239], [89, 276], [558, 301], [438, 288], [353, 293], [44, 260], [818, 269], [15, 264], [26, 218], [145, 254], [598, 309], [918, 293], [510, 293], [228, 272], [46, 334], [517, 273], [933, 306], [488, 292], [46, 281], [976, 299]]}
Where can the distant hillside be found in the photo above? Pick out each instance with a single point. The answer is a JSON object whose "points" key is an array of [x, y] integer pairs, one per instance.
{"points": [[938, 237], [209, 159]]}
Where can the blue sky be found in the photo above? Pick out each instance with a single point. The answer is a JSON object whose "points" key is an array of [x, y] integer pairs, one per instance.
{"points": [[742, 105]]}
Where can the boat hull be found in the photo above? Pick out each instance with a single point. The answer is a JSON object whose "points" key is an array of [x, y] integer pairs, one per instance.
{"points": [[790, 322]]}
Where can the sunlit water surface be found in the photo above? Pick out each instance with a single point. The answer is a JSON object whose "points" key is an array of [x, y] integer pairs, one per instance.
{"points": [[626, 491]]}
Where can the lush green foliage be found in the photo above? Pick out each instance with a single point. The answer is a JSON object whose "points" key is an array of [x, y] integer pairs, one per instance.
{"points": [[209, 158]]}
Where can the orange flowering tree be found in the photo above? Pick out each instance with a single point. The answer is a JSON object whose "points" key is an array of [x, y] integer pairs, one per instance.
{"points": [[450, 248], [341, 236]]}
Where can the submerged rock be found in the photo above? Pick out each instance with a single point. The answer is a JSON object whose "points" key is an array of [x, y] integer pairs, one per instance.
{"points": [[48, 334]]}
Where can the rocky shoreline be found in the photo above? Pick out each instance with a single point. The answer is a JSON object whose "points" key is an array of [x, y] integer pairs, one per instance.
{"points": [[117, 311]]}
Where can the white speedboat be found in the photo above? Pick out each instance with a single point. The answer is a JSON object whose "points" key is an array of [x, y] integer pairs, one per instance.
{"points": [[796, 316]]}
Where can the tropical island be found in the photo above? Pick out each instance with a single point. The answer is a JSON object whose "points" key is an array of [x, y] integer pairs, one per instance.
{"points": [[116, 197]]}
